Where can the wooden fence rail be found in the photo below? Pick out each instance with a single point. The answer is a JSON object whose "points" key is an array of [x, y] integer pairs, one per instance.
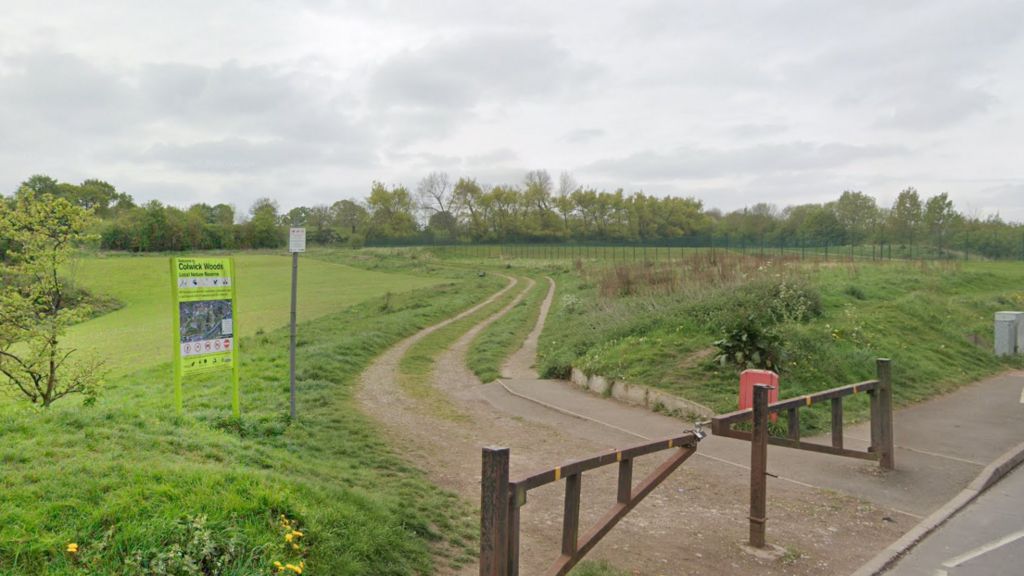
{"points": [[880, 393], [502, 499], [881, 448]]}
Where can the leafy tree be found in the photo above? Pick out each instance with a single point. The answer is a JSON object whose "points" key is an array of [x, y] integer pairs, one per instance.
{"points": [[36, 304], [98, 196], [223, 214], [857, 214], [350, 215], [263, 230], [469, 195], [905, 216], [320, 221], [40, 184], [391, 212], [939, 218], [298, 216]]}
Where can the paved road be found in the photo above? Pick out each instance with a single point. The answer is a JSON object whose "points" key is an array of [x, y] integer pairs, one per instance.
{"points": [[984, 539], [941, 445]]}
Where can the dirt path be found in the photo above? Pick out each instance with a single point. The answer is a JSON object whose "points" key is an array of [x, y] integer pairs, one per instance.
{"points": [[692, 524], [521, 363]]}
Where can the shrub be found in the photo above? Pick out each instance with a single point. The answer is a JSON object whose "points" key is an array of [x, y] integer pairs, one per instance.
{"points": [[769, 302], [750, 344]]}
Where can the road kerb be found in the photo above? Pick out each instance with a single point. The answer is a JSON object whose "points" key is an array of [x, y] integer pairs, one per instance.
{"points": [[989, 476]]}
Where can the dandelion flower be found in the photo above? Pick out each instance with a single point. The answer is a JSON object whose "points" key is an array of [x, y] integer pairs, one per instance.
{"points": [[72, 548], [293, 568]]}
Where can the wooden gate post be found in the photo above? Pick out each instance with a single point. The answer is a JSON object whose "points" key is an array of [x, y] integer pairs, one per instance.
{"points": [[494, 508], [759, 467], [886, 447]]}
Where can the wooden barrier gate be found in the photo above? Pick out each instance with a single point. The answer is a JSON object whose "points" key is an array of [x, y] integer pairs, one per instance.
{"points": [[881, 447], [501, 499]]}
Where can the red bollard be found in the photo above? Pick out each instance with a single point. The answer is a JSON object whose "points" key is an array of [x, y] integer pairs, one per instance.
{"points": [[750, 378]]}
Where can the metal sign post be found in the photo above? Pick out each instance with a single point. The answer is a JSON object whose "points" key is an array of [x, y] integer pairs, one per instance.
{"points": [[296, 244]]}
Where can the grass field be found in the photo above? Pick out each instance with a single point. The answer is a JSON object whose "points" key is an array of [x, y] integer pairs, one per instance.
{"points": [[138, 335], [141, 491]]}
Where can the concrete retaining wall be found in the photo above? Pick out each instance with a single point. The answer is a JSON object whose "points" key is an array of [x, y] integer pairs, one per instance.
{"points": [[637, 395]]}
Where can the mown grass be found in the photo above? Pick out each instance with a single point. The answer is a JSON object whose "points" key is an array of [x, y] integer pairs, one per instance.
{"points": [[138, 334], [494, 345], [127, 478], [934, 320]]}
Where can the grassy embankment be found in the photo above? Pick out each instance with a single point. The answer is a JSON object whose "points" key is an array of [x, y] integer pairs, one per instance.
{"points": [[656, 325], [128, 481]]}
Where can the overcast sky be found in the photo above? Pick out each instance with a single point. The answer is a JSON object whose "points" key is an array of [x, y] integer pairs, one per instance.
{"points": [[309, 101]]}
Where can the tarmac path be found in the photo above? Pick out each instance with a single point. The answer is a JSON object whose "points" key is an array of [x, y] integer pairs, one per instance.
{"points": [[984, 539]]}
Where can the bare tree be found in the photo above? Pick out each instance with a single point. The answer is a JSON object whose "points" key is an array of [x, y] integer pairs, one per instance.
{"points": [[434, 193], [566, 184], [438, 203]]}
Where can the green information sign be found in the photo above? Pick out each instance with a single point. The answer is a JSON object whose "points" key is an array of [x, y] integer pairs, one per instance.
{"points": [[203, 291]]}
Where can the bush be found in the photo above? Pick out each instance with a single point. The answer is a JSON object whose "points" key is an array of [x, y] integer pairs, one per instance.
{"points": [[748, 316], [769, 302], [750, 344]]}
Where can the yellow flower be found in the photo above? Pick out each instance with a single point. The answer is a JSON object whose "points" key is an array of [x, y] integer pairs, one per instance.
{"points": [[289, 537], [295, 546], [293, 568], [297, 533], [72, 548], [278, 565]]}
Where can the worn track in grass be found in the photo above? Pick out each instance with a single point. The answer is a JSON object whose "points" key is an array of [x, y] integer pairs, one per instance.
{"points": [[693, 524]]}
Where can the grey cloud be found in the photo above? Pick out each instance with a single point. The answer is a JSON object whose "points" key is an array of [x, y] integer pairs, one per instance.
{"points": [[925, 71], [697, 163], [238, 155], [497, 156], [252, 99], [223, 119], [45, 90], [583, 135], [756, 130], [503, 67], [426, 94], [935, 107]]}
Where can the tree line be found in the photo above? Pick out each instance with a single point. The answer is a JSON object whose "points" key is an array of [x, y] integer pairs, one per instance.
{"points": [[537, 210]]}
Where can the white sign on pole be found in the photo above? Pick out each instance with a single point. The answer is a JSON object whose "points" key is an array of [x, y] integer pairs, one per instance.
{"points": [[297, 240]]}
